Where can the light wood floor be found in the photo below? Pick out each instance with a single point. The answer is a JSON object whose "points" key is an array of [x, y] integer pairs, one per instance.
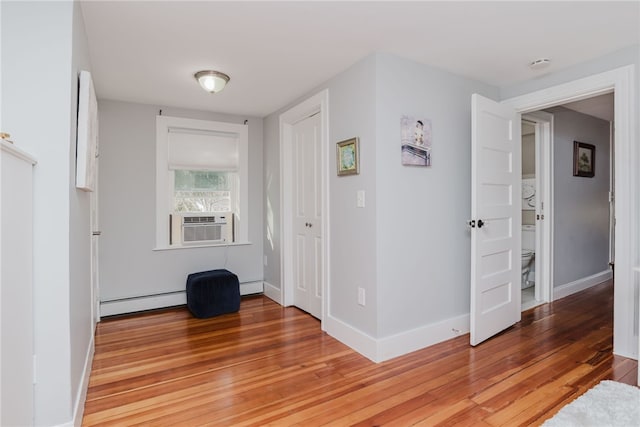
{"points": [[273, 365]]}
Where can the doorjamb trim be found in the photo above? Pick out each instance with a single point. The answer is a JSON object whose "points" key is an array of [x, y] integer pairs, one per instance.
{"points": [[318, 103], [621, 81]]}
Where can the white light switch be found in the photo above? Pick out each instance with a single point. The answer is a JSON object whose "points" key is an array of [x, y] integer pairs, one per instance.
{"points": [[361, 297], [360, 199]]}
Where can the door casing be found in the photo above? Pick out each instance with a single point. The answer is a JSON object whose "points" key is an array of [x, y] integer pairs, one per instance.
{"points": [[319, 104], [620, 80], [544, 193]]}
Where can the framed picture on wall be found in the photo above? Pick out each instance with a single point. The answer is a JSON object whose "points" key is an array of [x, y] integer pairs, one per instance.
{"points": [[415, 141], [584, 159], [87, 133], [347, 157]]}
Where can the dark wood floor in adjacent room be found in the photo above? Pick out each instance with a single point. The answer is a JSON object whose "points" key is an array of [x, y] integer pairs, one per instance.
{"points": [[273, 365]]}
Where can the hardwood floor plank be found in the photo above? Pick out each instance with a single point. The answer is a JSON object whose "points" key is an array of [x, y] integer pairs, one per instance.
{"points": [[269, 365]]}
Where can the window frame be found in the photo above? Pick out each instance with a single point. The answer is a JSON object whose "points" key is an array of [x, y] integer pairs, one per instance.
{"points": [[164, 176]]}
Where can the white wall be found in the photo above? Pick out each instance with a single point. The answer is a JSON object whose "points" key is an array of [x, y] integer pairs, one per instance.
{"points": [[43, 44], [129, 267], [580, 205]]}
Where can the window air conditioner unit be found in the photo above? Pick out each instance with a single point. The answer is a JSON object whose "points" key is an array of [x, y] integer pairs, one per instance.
{"points": [[198, 229]]}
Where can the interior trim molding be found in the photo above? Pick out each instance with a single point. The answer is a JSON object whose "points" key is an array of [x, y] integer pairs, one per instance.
{"points": [[359, 341], [581, 284], [318, 103], [621, 81], [422, 337], [152, 302], [81, 398], [272, 292]]}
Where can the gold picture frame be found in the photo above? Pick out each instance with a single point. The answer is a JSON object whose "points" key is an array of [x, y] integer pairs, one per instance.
{"points": [[348, 157]]}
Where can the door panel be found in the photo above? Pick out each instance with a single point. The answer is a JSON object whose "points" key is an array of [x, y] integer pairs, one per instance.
{"points": [[307, 202], [495, 209]]}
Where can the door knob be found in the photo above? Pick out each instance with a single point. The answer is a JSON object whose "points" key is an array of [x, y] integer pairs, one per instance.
{"points": [[480, 223]]}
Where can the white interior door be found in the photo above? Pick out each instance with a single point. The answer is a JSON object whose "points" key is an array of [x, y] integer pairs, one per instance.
{"points": [[496, 166], [307, 216], [95, 237]]}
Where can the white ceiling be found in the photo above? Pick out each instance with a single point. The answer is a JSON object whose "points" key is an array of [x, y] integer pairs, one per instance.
{"points": [[599, 106], [275, 52]]}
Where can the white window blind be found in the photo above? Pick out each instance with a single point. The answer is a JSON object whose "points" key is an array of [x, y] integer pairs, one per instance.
{"points": [[202, 150]]}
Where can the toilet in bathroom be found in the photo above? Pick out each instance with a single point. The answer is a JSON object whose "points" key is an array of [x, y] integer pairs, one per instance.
{"points": [[528, 253]]}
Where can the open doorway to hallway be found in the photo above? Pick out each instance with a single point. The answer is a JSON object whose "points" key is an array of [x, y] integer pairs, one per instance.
{"points": [[567, 220]]}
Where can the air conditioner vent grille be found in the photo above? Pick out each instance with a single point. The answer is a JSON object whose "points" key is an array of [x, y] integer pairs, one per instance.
{"points": [[199, 219]]}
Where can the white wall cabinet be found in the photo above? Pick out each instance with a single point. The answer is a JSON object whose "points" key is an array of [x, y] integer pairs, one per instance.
{"points": [[16, 286]]}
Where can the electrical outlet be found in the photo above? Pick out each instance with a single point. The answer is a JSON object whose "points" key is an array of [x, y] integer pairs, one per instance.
{"points": [[361, 297], [360, 199]]}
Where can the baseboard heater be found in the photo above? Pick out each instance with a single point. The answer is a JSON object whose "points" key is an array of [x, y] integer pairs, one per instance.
{"points": [[163, 300]]}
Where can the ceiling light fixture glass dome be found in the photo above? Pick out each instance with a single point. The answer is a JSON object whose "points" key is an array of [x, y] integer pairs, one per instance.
{"points": [[212, 81]]}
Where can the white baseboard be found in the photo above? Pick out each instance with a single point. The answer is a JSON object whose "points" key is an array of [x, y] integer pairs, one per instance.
{"points": [[422, 337], [379, 350], [272, 292], [581, 284], [352, 337], [81, 398], [151, 302]]}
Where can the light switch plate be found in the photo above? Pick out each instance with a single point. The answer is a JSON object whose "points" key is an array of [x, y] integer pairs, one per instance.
{"points": [[360, 199]]}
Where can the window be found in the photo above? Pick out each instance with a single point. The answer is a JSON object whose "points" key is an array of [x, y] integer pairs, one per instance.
{"points": [[201, 182], [203, 191]]}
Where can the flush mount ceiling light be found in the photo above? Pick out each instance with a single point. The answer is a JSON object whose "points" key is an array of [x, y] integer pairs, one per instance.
{"points": [[212, 81], [539, 64]]}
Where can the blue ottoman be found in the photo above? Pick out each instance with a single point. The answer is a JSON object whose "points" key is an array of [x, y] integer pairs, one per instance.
{"points": [[211, 293]]}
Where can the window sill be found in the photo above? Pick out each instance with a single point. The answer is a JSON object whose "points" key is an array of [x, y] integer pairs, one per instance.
{"points": [[211, 245]]}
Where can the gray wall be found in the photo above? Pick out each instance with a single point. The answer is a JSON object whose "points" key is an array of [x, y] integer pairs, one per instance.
{"points": [[80, 322], [352, 100], [41, 118], [352, 230], [528, 168], [422, 239], [528, 154], [129, 267], [409, 247], [581, 205]]}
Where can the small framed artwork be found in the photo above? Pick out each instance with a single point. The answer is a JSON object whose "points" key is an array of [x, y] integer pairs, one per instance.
{"points": [[415, 141], [584, 159], [347, 157]]}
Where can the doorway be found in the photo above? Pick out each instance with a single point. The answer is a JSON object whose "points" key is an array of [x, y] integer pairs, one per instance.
{"points": [[296, 231], [620, 82], [306, 215], [537, 215], [589, 120], [530, 195]]}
